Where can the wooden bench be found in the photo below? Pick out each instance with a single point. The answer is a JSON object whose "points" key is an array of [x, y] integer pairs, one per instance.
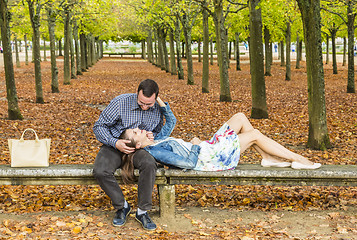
{"points": [[123, 54], [166, 179]]}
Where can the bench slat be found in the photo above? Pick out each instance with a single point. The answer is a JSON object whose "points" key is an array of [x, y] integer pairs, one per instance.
{"points": [[58, 174], [253, 174]]}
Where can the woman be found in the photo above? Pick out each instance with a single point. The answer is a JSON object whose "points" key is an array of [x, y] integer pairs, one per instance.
{"points": [[221, 152]]}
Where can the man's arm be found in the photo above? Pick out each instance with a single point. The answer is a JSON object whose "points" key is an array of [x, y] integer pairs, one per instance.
{"points": [[109, 117]]}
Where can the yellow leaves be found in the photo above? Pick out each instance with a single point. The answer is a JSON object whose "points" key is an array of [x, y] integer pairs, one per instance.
{"points": [[26, 229], [204, 234], [60, 224], [77, 229]]}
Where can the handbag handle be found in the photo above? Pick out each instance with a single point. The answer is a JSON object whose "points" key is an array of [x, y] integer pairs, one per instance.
{"points": [[29, 129]]}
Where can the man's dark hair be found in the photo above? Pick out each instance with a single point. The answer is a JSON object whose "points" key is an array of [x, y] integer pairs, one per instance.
{"points": [[149, 87]]}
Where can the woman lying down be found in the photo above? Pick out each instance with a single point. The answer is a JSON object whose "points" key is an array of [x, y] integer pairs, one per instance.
{"points": [[221, 152]]}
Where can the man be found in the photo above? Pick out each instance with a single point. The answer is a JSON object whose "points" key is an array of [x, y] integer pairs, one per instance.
{"points": [[128, 111]]}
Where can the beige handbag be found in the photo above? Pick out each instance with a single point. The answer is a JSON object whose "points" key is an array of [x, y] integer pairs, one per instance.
{"points": [[29, 153]]}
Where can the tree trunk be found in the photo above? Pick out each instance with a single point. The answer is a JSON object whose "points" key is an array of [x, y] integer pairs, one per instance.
{"points": [[228, 44], [229, 50], [267, 52], [222, 54], [259, 105], [298, 52], [351, 61], [183, 49], [143, 49], [13, 110], [26, 50], [17, 52], [344, 51], [211, 46], [238, 68], [199, 50], [60, 47], [66, 62], [205, 64], [76, 47], [334, 61], [160, 60], [327, 49], [156, 62], [54, 70], [288, 52], [89, 50], [93, 50], [44, 50], [173, 69], [35, 17], [71, 51], [318, 132], [180, 72], [187, 31], [165, 53], [150, 50], [282, 55], [83, 43]]}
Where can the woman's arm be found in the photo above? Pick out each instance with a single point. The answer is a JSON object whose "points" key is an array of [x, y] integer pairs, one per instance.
{"points": [[170, 120], [160, 102], [168, 157]]}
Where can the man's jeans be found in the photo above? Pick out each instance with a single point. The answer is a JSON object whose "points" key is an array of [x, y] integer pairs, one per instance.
{"points": [[109, 160]]}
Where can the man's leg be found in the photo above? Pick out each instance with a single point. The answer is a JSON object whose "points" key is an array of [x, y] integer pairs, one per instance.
{"points": [[106, 163], [147, 169]]}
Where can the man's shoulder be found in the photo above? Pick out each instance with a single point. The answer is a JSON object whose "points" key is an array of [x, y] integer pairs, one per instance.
{"points": [[125, 98]]}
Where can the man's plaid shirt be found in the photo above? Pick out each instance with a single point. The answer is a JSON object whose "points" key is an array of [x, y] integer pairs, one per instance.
{"points": [[122, 113]]}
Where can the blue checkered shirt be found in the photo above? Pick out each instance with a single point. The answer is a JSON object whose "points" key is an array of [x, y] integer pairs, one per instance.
{"points": [[122, 113]]}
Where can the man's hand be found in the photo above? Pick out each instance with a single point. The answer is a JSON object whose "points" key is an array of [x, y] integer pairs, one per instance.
{"points": [[121, 146], [150, 135], [196, 141]]}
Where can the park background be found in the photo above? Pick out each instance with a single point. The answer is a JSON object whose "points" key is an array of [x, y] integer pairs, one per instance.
{"points": [[225, 212]]}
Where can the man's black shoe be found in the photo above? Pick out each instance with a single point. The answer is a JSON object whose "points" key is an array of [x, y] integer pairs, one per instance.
{"points": [[145, 220], [120, 216]]}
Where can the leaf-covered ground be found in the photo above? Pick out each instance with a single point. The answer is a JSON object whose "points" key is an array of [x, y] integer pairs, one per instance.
{"points": [[68, 212]]}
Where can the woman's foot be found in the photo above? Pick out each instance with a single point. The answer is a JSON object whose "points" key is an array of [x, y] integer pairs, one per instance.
{"points": [[297, 165], [270, 163]]}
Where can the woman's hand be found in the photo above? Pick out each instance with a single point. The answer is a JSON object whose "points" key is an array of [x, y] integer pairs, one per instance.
{"points": [[160, 102], [196, 141]]}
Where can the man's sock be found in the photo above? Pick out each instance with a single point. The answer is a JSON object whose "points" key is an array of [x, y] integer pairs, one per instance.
{"points": [[126, 205], [140, 212]]}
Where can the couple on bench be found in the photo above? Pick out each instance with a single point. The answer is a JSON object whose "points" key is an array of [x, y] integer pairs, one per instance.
{"points": [[133, 135]]}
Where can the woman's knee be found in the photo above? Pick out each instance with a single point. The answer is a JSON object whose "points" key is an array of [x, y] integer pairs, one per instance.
{"points": [[256, 134], [240, 116]]}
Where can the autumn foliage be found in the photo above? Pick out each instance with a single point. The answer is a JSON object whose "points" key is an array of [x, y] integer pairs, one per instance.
{"points": [[68, 117]]}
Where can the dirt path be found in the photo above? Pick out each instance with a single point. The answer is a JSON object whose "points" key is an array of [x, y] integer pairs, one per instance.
{"points": [[190, 223]]}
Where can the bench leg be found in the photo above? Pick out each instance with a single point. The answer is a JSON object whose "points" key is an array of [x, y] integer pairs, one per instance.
{"points": [[167, 201]]}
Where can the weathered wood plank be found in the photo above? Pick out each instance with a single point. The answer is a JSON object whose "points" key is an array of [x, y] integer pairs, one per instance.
{"points": [[252, 174], [61, 174]]}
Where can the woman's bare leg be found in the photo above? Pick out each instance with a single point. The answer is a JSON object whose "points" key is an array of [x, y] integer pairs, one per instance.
{"points": [[269, 146], [241, 124]]}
